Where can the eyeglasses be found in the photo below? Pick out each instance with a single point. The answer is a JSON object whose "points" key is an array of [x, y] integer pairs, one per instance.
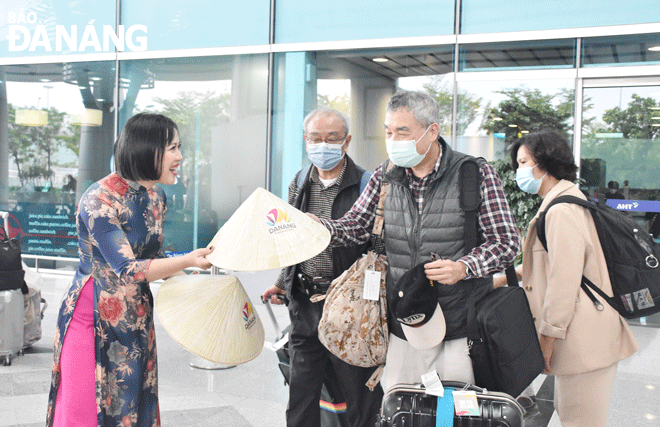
{"points": [[329, 140]]}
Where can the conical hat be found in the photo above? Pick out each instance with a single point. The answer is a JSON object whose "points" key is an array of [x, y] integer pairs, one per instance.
{"points": [[264, 233], [212, 317]]}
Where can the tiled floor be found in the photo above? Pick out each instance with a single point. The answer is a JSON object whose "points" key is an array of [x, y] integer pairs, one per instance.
{"points": [[254, 394]]}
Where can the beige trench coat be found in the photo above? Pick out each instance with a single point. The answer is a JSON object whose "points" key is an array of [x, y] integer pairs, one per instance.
{"points": [[587, 339]]}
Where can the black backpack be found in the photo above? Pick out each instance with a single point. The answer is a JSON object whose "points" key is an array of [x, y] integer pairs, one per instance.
{"points": [[631, 256]]}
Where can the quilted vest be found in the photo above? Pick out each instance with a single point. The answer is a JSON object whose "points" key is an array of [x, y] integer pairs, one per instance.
{"points": [[410, 237]]}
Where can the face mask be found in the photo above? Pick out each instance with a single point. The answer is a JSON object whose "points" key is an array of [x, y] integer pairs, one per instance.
{"points": [[404, 153], [527, 182], [325, 156]]}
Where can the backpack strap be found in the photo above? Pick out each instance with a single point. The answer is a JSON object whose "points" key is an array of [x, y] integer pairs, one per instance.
{"points": [[379, 221], [300, 179], [586, 283], [540, 221], [470, 199], [364, 180]]}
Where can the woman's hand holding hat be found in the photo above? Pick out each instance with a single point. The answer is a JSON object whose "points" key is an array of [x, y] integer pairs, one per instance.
{"points": [[197, 258]]}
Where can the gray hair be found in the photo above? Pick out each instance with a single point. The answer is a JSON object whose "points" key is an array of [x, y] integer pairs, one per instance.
{"points": [[424, 108], [325, 111]]}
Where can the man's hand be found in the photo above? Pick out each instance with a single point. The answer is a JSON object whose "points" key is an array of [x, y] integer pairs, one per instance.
{"points": [[445, 271], [499, 281], [312, 216], [272, 295]]}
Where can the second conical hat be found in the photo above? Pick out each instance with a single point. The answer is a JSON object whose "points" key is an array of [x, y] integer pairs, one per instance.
{"points": [[265, 233], [212, 317]]}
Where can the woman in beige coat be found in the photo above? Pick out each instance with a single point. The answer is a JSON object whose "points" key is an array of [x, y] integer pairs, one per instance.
{"points": [[581, 345]]}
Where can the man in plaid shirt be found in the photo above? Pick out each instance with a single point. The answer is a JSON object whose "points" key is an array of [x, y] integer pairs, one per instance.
{"points": [[423, 219]]}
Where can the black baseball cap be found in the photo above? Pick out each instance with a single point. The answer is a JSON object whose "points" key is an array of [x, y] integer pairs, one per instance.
{"points": [[413, 302]]}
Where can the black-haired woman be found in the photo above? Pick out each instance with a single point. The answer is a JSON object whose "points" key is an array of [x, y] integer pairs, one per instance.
{"points": [[105, 370], [581, 345]]}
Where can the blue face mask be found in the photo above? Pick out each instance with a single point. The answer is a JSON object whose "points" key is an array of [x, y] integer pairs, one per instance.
{"points": [[404, 153], [526, 181], [325, 156]]}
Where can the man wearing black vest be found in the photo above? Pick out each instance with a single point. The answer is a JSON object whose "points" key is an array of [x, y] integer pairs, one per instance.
{"points": [[327, 189], [423, 219]]}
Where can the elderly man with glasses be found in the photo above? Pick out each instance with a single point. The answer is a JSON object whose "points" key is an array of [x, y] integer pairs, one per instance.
{"points": [[327, 189]]}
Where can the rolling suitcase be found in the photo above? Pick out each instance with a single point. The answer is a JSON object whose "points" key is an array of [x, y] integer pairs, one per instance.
{"points": [[11, 297], [35, 306], [11, 325], [408, 405], [333, 406]]}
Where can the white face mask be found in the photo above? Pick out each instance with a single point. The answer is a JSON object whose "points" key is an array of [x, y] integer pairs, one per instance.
{"points": [[526, 181], [325, 156], [404, 153]]}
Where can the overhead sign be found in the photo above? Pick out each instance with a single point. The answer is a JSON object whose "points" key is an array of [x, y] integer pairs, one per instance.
{"points": [[634, 205]]}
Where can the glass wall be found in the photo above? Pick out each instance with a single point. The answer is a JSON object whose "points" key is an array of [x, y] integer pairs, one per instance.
{"points": [[537, 54], [483, 16], [184, 24], [56, 138], [358, 82], [59, 118], [494, 112], [621, 50], [219, 105], [620, 153], [299, 21], [493, 108]]}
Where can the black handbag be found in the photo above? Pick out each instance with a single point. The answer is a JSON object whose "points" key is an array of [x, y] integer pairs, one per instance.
{"points": [[504, 346], [12, 275]]}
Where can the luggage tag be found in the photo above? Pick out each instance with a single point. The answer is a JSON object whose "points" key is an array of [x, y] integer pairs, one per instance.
{"points": [[465, 403], [432, 384], [371, 290]]}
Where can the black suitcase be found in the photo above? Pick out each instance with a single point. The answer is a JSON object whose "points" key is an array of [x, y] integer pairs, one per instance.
{"points": [[408, 405]]}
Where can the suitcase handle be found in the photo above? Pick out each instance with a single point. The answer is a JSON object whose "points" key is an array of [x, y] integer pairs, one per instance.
{"points": [[459, 385]]}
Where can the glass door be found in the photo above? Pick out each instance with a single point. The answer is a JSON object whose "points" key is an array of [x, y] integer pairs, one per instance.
{"points": [[620, 148]]}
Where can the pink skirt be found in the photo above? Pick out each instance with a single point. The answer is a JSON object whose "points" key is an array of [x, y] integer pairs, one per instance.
{"points": [[76, 396]]}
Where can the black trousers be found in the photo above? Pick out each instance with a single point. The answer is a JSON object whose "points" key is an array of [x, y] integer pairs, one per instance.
{"points": [[309, 362]]}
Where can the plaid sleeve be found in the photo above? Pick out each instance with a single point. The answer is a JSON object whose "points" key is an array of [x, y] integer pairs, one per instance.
{"points": [[354, 228], [501, 241]]}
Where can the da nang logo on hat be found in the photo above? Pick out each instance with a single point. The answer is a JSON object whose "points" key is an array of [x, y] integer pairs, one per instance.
{"points": [[248, 315], [278, 221]]}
